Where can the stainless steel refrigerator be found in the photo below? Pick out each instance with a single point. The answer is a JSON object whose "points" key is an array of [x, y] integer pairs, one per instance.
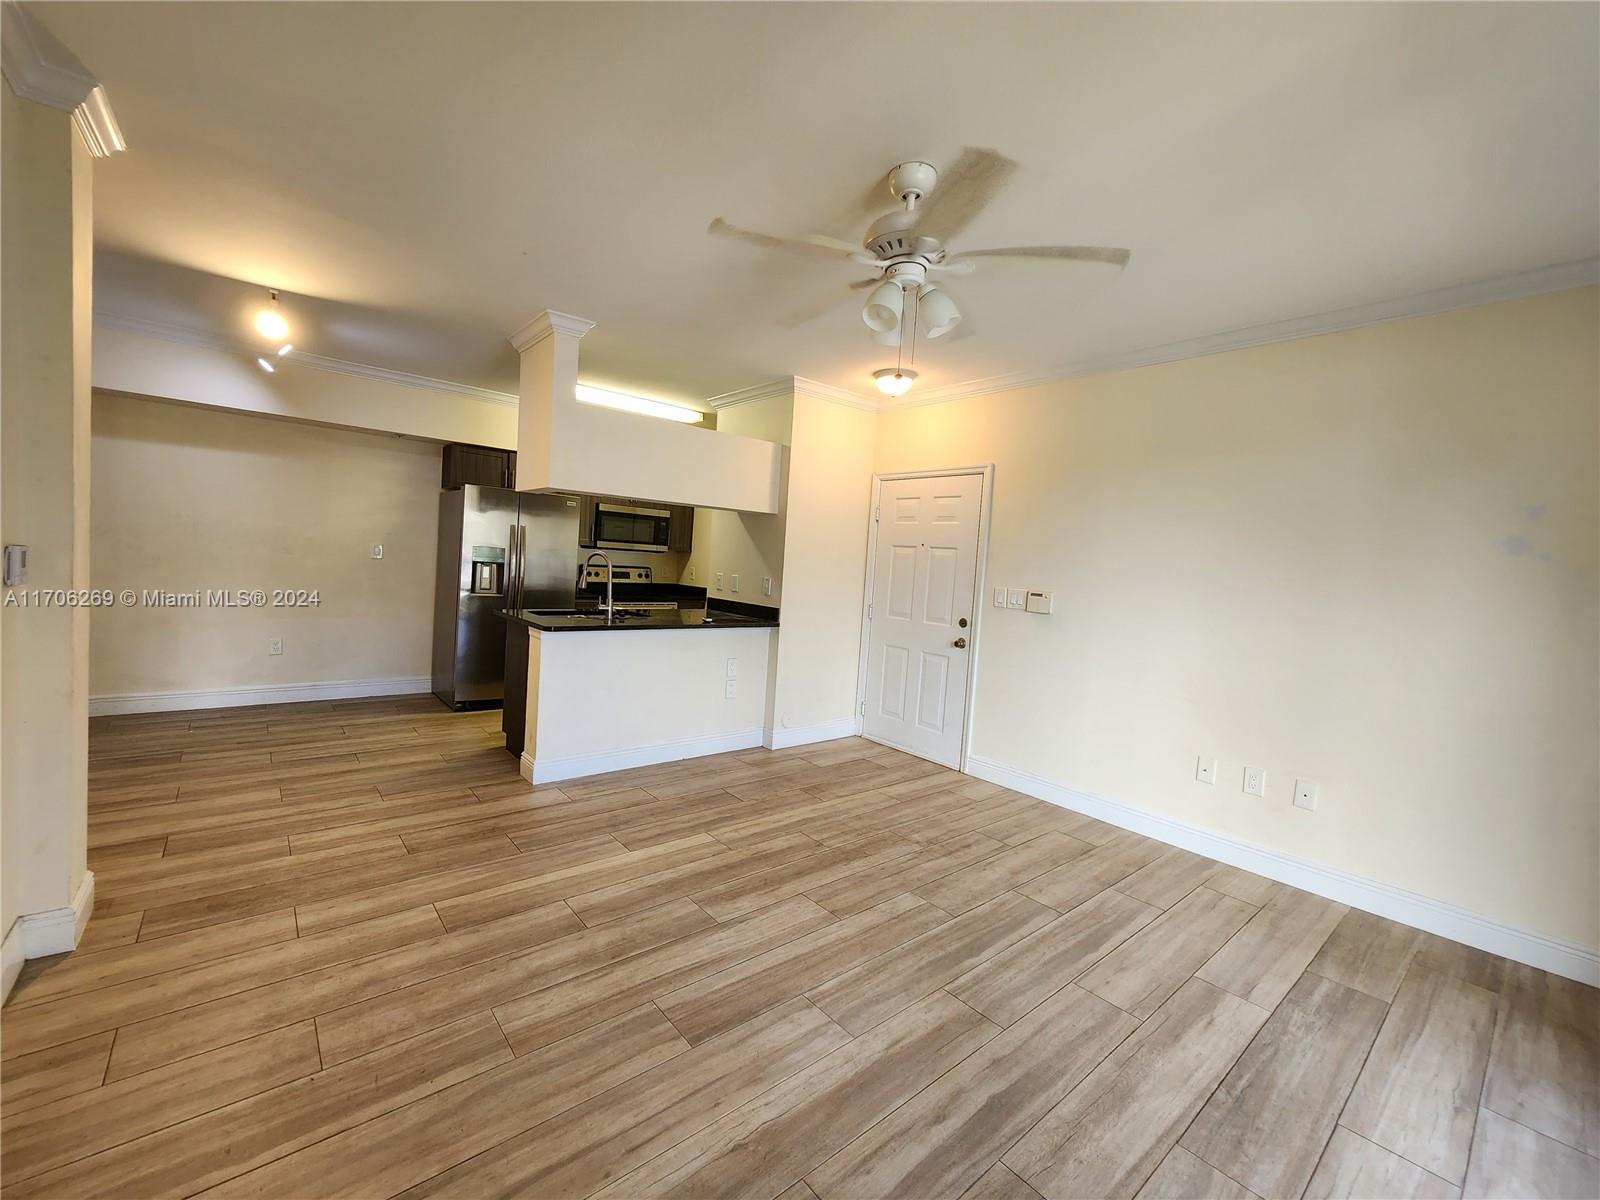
{"points": [[498, 549]]}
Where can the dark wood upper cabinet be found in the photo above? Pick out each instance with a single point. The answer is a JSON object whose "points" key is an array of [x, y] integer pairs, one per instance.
{"points": [[483, 465], [680, 528]]}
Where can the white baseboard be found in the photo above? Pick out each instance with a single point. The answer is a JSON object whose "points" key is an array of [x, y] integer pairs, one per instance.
{"points": [[1571, 959], [57, 930], [278, 693], [828, 731], [11, 958], [576, 766]]}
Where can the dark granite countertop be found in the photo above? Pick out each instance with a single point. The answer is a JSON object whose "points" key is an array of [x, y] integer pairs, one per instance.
{"points": [[718, 614]]}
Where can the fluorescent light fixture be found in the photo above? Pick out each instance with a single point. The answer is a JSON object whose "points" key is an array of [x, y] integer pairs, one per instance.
{"points": [[895, 381], [266, 365], [285, 348], [638, 404]]}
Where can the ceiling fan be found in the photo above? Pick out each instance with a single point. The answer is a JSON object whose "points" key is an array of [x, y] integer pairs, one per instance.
{"points": [[907, 248]]}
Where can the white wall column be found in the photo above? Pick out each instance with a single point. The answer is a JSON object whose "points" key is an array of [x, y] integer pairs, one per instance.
{"points": [[53, 120], [548, 395]]}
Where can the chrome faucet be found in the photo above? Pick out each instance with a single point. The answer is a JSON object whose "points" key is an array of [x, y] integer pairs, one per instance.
{"points": [[608, 607]]}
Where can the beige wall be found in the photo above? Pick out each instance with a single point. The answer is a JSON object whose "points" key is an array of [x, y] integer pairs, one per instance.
{"points": [[1368, 559], [44, 496], [749, 545], [141, 365], [824, 564], [187, 498]]}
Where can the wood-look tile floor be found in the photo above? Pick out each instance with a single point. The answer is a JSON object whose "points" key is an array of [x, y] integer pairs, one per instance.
{"points": [[341, 949]]}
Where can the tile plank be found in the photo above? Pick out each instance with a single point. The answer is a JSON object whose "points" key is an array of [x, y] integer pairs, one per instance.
{"points": [[1418, 1093], [1141, 973], [881, 987], [1509, 1159], [946, 1136], [1353, 1168], [762, 1147], [586, 1147], [731, 996], [1017, 979], [1267, 1122], [414, 1142], [1111, 1131], [963, 890]]}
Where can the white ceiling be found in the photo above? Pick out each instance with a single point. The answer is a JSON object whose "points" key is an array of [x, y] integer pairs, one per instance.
{"points": [[421, 179]]}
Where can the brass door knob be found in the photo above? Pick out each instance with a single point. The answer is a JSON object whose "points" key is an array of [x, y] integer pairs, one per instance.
{"points": [[960, 643]]}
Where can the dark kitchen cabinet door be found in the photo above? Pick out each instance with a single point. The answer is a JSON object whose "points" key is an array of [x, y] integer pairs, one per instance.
{"points": [[680, 529], [482, 465]]}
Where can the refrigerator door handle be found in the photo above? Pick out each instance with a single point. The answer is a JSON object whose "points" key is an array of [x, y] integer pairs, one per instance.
{"points": [[522, 555], [512, 573]]}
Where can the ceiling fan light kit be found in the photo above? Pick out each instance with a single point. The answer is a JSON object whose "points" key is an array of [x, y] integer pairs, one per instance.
{"points": [[884, 307], [908, 245]]}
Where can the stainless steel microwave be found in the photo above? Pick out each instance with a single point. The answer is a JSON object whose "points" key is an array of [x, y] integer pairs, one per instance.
{"points": [[629, 527]]}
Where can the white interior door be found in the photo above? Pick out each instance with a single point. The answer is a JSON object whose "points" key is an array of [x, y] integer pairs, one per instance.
{"points": [[924, 580]]}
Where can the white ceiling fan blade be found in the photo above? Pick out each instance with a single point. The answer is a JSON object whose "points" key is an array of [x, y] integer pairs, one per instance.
{"points": [[1115, 255], [815, 245], [963, 189], [806, 315]]}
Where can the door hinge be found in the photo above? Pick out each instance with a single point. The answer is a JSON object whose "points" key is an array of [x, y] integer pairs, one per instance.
{"points": [[862, 710], [869, 612], [875, 513]]}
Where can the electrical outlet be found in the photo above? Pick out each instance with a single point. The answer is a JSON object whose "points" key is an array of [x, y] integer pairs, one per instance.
{"points": [[689, 575], [733, 583], [274, 645], [1015, 597], [766, 585], [1206, 770], [999, 597], [733, 668], [730, 689], [377, 550], [718, 578], [1305, 795], [1255, 781]]}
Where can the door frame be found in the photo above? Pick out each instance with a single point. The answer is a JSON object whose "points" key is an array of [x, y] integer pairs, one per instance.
{"points": [[979, 593]]}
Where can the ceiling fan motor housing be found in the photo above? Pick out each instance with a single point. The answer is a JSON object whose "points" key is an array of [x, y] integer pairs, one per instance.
{"points": [[911, 181]]}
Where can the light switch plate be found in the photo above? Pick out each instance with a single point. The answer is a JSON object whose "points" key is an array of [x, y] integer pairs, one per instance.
{"points": [[1041, 602], [733, 668], [1255, 781], [1000, 597], [719, 580], [730, 689], [1305, 795], [16, 565], [1206, 770], [1015, 597], [274, 645], [734, 583], [766, 585], [377, 550]]}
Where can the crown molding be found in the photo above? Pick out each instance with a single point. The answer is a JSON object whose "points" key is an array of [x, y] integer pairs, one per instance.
{"points": [[749, 395], [837, 395], [317, 362], [546, 324], [1557, 278], [39, 68]]}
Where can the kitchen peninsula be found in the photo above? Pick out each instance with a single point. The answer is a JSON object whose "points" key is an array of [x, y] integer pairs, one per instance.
{"points": [[606, 692]]}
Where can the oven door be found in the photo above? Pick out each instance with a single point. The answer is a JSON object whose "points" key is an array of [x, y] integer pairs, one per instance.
{"points": [[627, 527]]}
